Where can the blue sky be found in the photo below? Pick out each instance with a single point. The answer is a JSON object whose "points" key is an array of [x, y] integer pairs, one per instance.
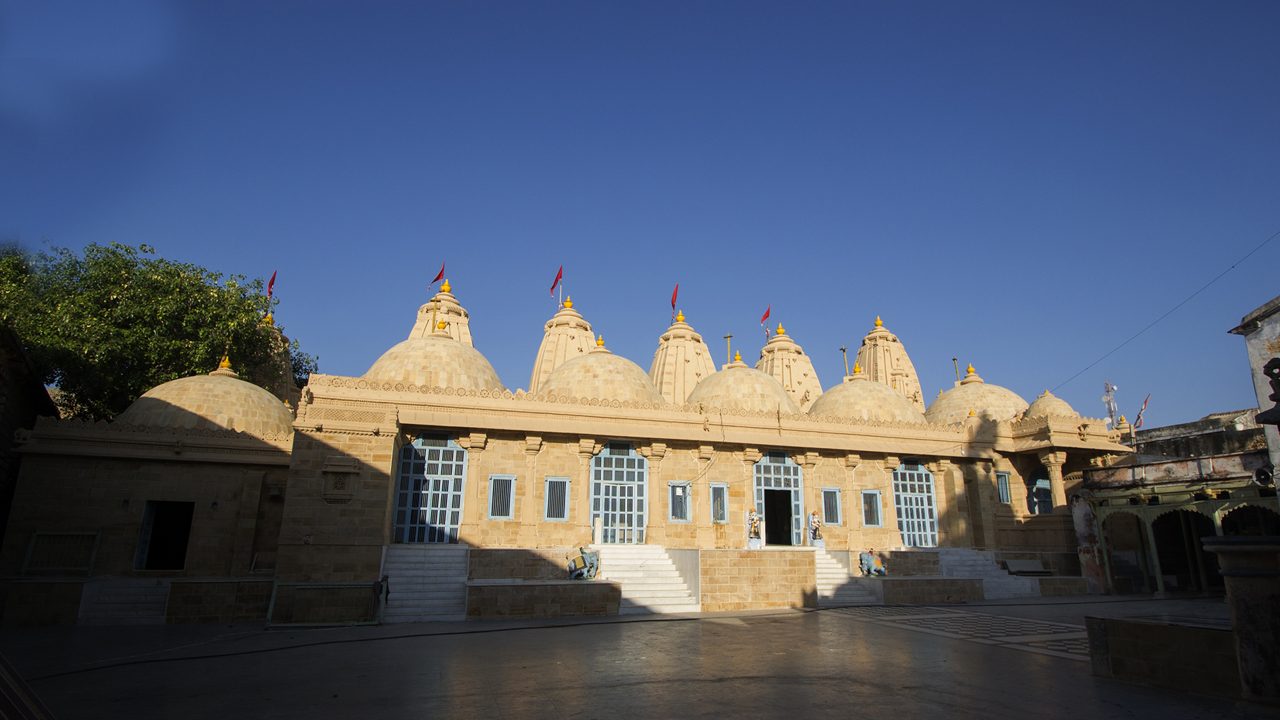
{"points": [[1020, 185]]}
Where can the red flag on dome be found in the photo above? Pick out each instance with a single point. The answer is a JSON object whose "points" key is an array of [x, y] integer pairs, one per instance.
{"points": [[439, 275], [556, 283], [765, 318], [674, 293], [271, 284]]}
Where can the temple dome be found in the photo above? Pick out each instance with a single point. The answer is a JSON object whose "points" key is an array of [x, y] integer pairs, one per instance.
{"points": [[863, 399], [973, 396], [435, 361], [739, 387], [217, 401], [601, 375], [1050, 405]]}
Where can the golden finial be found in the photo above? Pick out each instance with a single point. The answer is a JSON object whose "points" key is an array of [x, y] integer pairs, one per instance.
{"points": [[446, 287], [781, 330], [857, 368], [1123, 421], [879, 322], [971, 412], [737, 357], [680, 316], [225, 364], [442, 325], [970, 371], [268, 319], [600, 341], [568, 302]]}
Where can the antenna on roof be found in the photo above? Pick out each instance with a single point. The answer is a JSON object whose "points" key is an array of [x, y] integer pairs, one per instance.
{"points": [[728, 348], [845, 352], [956, 363]]}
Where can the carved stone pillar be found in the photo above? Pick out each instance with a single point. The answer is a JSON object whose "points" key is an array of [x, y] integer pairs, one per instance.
{"points": [[1053, 462]]}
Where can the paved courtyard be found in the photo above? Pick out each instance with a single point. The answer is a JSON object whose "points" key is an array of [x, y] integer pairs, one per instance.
{"points": [[991, 661]]}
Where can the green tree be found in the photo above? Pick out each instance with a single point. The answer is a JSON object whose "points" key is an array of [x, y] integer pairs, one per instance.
{"points": [[108, 325]]}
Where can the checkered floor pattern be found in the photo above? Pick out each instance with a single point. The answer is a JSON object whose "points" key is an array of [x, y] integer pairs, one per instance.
{"points": [[1037, 636]]}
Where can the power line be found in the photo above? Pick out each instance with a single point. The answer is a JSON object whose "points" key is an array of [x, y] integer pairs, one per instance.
{"points": [[1170, 311]]}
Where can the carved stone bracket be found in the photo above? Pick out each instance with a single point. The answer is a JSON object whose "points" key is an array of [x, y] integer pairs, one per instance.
{"points": [[852, 461], [588, 447], [706, 452], [654, 451], [532, 445], [1053, 457], [340, 475], [892, 462], [474, 442], [751, 455]]}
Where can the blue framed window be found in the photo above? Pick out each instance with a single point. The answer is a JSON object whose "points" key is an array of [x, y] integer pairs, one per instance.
{"points": [[502, 497], [1002, 488], [719, 503], [678, 492], [871, 509], [557, 494], [831, 506]]}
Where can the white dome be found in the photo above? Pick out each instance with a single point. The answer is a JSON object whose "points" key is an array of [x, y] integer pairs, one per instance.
{"points": [[861, 399], [738, 387], [217, 401]]}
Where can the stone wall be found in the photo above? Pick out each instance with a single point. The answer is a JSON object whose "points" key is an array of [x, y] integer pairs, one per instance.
{"points": [[757, 579], [41, 603], [929, 590], [324, 604], [221, 601], [488, 599], [1152, 652], [519, 564], [911, 563]]}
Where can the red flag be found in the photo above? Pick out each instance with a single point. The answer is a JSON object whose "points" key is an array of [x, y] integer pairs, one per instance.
{"points": [[271, 284], [439, 275], [765, 317], [674, 293], [556, 283], [1137, 423]]}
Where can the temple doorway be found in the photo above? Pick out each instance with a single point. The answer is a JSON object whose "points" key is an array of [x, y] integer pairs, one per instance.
{"points": [[777, 517]]}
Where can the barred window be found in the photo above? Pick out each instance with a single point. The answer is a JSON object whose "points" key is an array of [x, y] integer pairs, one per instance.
{"points": [[557, 498], [502, 490], [1002, 487]]}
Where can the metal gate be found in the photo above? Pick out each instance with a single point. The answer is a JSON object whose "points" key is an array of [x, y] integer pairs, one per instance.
{"points": [[618, 480], [429, 491]]}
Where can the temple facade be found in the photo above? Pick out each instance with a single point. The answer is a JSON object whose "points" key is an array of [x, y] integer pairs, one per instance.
{"points": [[425, 488]]}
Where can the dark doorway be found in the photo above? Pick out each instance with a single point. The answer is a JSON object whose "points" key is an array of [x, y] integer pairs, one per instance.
{"points": [[777, 517], [1251, 520], [166, 529], [1183, 560]]}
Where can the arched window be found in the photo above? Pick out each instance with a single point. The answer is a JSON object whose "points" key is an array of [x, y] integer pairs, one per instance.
{"points": [[913, 498], [619, 476], [779, 486], [429, 491]]}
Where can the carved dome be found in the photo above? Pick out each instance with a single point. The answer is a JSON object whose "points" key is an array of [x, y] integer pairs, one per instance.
{"points": [[601, 375], [1050, 405], [975, 396], [217, 401], [435, 361], [862, 399], [739, 387]]}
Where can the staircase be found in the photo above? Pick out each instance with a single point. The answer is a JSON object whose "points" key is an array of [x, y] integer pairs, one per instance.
{"points": [[650, 582], [836, 587], [426, 583], [997, 583], [124, 601]]}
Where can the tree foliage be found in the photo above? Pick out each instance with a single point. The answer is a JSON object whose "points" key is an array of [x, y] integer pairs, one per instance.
{"points": [[108, 325]]}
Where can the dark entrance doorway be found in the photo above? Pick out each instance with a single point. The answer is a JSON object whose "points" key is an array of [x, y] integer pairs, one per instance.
{"points": [[777, 517], [1183, 560]]}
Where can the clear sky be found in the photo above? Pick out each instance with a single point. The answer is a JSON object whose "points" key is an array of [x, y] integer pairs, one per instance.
{"points": [[1021, 185]]}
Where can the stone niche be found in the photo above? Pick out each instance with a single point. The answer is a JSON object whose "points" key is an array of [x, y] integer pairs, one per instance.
{"points": [[340, 475]]}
